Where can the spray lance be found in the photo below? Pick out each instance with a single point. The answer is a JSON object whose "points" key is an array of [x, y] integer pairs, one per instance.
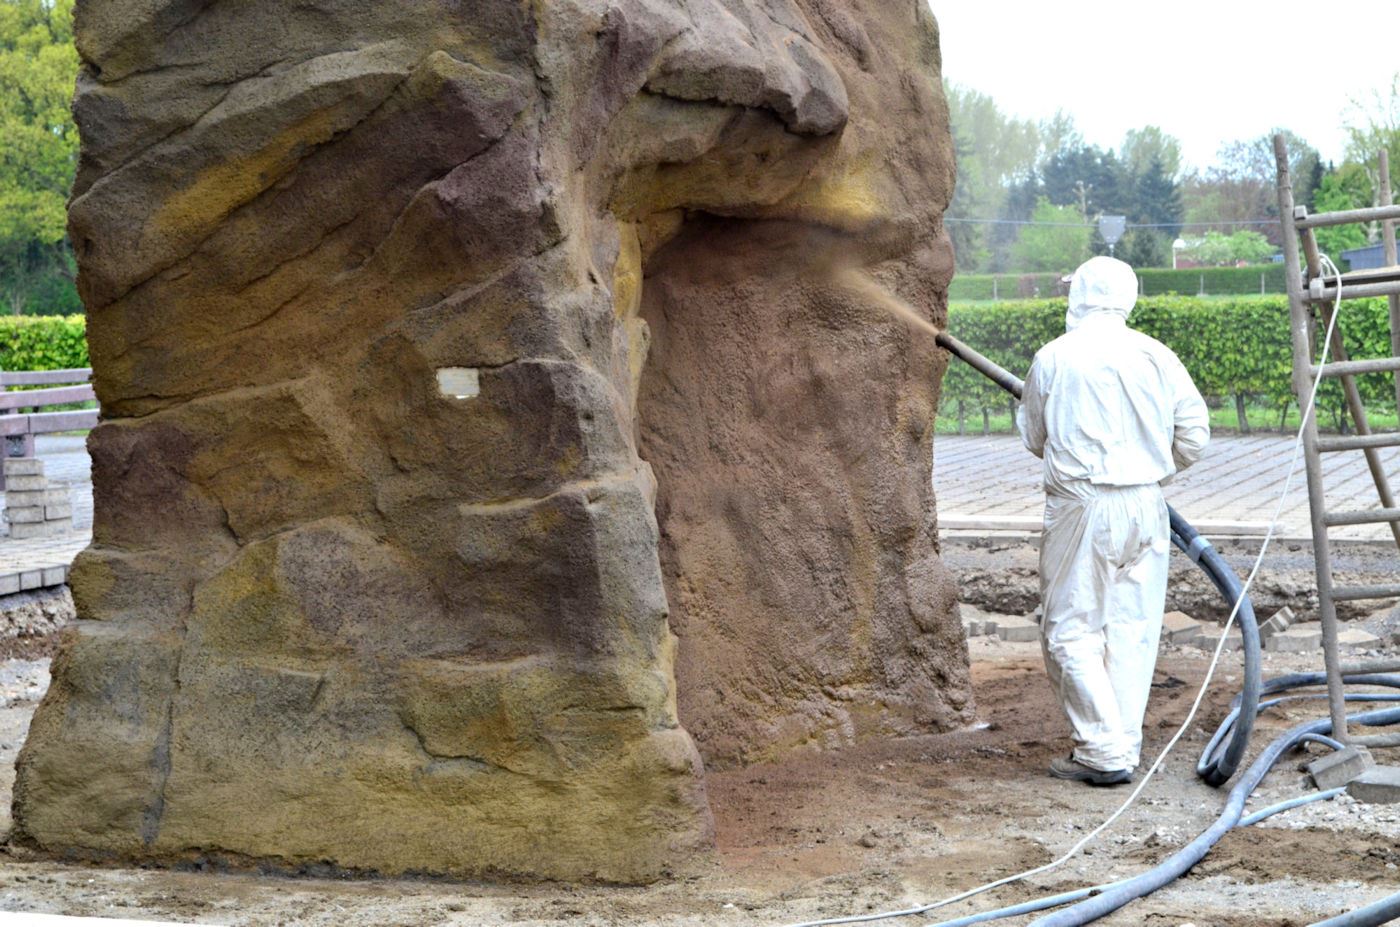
{"points": [[1217, 768]]}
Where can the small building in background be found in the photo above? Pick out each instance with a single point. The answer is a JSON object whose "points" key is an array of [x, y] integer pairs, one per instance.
{"points": [[1365, 258]]}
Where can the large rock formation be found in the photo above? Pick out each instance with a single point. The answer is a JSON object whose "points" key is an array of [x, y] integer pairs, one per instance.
{"points": [[376, 578]]}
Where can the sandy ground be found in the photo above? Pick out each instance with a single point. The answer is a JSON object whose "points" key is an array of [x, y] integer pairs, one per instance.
{"points": [[868, 827]]}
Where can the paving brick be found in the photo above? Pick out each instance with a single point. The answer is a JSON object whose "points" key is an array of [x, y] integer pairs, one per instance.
{"points": [[58, 496], [1295, 640], [27, 530], [1277, 623], [25, 483], [1016, 629], [31, 579], [23, 466], [990, 627], [9, 583], [1210, 636], [1339, 767], [55, 575], [15, 498], [24, 513], [57, 512], [1378, 785], [1357, 639], [1180, 628]]}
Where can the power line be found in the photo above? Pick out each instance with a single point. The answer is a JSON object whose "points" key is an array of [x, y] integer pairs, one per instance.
{"points": [[1131, 225]]}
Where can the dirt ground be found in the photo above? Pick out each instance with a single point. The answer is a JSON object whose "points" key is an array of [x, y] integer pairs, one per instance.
{"points": [[865, 828]]}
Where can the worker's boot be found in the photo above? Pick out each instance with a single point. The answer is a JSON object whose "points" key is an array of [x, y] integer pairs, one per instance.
{"points": [[1070, 768]]}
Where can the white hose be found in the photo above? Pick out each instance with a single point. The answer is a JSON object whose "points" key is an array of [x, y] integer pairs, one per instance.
{"points": [[1200, 695]]}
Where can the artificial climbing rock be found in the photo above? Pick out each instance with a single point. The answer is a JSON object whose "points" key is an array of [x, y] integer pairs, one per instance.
{"points": [[407, 322]]}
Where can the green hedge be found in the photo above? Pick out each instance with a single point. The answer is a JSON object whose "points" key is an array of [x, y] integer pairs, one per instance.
{"points": [[1003, 286], [1232, 347], [1212, 281], [49, 342]]}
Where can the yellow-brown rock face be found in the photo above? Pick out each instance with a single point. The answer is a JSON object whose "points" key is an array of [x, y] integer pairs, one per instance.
{"points": [[441, 346]]}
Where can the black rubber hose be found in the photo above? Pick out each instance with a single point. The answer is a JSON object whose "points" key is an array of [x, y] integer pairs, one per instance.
{"points": [[1174, 866], [1217, 770], [1381, 912], [1212, 752]]}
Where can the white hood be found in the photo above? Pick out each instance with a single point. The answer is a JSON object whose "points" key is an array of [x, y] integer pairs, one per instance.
{"points": [[1101, 285]]}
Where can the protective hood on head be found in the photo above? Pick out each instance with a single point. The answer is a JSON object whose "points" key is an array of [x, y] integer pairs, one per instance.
{"points": [[1101, 284]]}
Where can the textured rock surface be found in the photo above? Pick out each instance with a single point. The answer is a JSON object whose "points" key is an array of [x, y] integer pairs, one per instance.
{"points": [[785, 429], [337, 614]]}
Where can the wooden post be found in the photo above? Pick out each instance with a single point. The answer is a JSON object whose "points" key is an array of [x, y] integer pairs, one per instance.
{"points": [[1301, 322], [1203, 286], [1388, 244], [962, 416], [1261, 284], [995, 297]]}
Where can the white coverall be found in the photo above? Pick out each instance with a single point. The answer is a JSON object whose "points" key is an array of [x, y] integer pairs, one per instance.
{"points": [[1114, 414]]}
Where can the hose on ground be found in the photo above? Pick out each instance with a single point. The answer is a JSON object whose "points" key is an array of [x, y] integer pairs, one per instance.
{"points": [[1054, 901], [1230, 726], [1289, 804], [1381, 912], [1217, 768], [1117, 895]]}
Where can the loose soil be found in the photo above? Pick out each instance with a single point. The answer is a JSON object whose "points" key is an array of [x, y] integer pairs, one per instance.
{"points": [[865, 828]]}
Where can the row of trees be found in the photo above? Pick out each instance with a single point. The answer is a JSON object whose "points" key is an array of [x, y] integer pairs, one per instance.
{"points": [[38, 152], [1013, 171]]}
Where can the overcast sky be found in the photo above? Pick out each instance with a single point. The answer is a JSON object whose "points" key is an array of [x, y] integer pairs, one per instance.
{"points": [[1206, 72]]}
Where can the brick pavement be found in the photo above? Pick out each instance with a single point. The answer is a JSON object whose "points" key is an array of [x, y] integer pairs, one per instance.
{"points": [[1238, 480], [44, 561]]}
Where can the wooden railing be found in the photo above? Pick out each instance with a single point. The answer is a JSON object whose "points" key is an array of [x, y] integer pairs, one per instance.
{"points": [[22, 414]]}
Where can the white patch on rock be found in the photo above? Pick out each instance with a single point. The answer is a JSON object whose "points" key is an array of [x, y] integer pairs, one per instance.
{"points": [[459, 382]]}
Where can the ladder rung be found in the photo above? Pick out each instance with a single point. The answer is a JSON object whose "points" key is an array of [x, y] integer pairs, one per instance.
{"points": [[1353, 593], [1372, 517], [1357, 367], [1359, 442], [1367, 275], [1344, 216], [1322, 291]]}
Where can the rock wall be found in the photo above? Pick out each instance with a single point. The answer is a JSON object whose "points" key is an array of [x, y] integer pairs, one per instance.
{"points": [[789, 431], [376, 580]]}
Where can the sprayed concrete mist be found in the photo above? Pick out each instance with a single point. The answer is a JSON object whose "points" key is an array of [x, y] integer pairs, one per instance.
{"points": [[863, 285]]}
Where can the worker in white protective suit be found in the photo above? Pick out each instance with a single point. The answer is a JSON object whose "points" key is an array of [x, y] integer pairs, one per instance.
{"points": [[1114, 414]]}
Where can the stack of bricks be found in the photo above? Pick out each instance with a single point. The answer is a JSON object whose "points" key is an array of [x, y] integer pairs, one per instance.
{"points": [[33, 507]]}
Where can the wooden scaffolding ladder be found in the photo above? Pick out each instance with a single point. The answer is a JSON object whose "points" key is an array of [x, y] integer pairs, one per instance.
{"points": [[1312, 296]]}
